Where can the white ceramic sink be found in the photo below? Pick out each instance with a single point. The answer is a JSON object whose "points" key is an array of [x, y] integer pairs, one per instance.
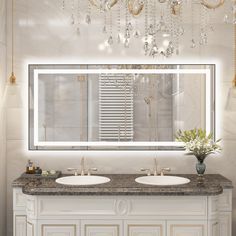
{"points": [[83, 180], [162, 180]]}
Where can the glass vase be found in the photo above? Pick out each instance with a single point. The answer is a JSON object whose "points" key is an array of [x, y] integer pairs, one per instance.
{"points": [[201, 168]]}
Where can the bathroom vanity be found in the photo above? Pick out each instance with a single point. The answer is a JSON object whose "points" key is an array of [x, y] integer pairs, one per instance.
{"points": [[123, 207]]}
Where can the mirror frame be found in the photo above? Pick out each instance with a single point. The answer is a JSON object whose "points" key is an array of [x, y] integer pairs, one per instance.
{"points": [[35, 70]]}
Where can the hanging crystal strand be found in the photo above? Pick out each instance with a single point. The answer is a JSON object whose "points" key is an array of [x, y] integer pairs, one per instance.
{"points": [[136, 32], [172, 31], [154, 48], [127, 31], [226, 15], [193, 43], [170, 28], [234, 12], [118, 22], [210, 19], [88, 15], [162, 24], [78, 18], [200, 26], [63, 5], [150, 27], [110, 39], [206, 21], [179, 30], [104, 29], [130, 25], [167, 18], [203, 33], [72, 12], [146, 44]]}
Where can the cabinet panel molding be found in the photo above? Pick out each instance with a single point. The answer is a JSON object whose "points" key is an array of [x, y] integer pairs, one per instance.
{"points": [[76, 206], [20, 223], [30, 229], [225, 200], [225, 220], [213, 207], [58, 229], [145, 230], [119, 206], [187, 229], [163, 206], [19, 199], [101, 227], [101, 230]]}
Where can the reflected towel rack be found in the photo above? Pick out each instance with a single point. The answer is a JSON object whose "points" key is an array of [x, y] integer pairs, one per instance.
{"points": [[116, 108]]}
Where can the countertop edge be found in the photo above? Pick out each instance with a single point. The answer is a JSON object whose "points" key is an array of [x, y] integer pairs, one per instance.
{"points": [[124, 186]]}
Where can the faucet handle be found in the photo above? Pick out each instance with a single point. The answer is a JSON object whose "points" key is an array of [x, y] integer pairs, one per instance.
{"points": [[146, 169], [91, 169], [73, 169], [165, 169]]}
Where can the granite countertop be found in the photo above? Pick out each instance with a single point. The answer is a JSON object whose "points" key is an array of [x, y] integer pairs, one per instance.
{"points": [[124, 184]]}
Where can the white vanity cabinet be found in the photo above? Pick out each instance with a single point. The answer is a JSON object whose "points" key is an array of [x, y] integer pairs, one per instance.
{"points": [[122, 215]]}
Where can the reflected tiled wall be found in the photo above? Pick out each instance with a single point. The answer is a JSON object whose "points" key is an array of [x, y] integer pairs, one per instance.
{"points": [[43, 35]]}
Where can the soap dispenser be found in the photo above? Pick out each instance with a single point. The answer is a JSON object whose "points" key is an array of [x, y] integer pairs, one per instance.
{"points": [[30, 169]]}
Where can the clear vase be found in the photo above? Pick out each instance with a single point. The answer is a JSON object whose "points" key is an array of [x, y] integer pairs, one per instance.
{"points": [[201, 168]]}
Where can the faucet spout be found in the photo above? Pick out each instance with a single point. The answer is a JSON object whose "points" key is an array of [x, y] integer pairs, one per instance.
{"points": [[155, 166], [82, 166]]}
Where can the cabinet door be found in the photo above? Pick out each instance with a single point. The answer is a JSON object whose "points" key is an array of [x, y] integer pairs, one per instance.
{"points": [[60, 229], [20, 225], [187, 228], [144, 228], [101, 228]]}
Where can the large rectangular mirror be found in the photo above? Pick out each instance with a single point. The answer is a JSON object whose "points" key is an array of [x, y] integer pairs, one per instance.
{"points": [[124, 107]]}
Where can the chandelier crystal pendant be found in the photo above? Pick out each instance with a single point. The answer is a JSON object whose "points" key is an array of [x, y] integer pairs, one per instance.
{"points": [[158, 24]]}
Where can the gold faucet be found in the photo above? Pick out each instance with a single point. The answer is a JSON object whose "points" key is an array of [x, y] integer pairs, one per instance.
{"points": [[82, 166], [76, 170], [165, 169], [149, 172], [146, 169], [155, 169]]}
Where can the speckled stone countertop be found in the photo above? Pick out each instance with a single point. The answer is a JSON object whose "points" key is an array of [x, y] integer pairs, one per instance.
{"points": [[125, 185]]}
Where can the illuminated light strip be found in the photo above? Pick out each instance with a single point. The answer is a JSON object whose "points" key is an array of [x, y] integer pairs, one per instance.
{"points": [[37, 72], [36, 107], [121, 71], [100, 144], [208, 101]]}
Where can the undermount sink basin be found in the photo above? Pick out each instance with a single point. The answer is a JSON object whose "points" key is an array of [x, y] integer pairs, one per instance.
{"points": [[82, 180], [162, 180]]}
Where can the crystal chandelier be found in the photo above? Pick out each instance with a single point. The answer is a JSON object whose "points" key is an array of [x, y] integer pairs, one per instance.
{"points": [[159, 24]]}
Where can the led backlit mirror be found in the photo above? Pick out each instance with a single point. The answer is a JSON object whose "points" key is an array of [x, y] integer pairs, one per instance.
{"points": [[120, 107]]}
